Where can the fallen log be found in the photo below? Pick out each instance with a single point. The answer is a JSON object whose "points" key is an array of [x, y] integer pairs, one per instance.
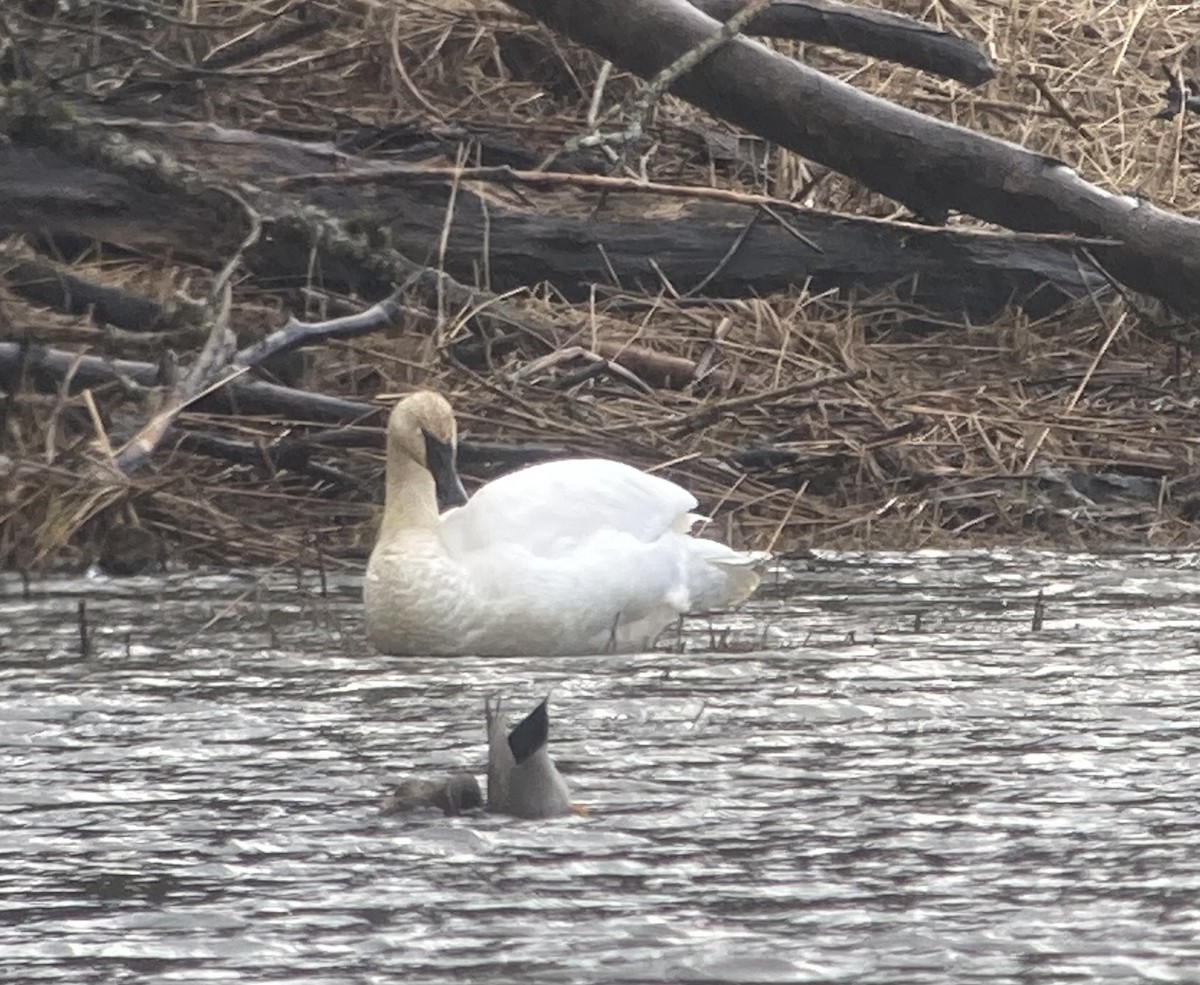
{"points": [[49, 284], [46, 370], [277, 456], [931, 166], [52, 285], [715, 249]]}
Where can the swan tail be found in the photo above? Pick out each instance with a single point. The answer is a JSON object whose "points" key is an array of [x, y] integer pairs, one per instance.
{"points": [[741, 580], [721, 577]]}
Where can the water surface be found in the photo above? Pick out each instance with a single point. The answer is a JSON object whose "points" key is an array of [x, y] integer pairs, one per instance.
{"points": [[875, 773]]}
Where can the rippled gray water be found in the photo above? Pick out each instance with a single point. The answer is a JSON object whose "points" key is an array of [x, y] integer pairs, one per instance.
{"points": [[879, 775]]}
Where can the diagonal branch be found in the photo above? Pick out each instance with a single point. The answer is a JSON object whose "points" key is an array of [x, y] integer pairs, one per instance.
{"points": [[933, 167]]}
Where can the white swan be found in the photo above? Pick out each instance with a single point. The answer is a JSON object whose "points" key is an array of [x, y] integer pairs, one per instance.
{"points": [[568, 557]]}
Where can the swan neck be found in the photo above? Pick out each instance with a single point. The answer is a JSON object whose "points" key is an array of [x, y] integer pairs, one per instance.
{"points": [[410, 499]]}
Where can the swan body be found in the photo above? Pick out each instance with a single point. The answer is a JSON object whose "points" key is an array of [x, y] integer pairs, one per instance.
{"points": [[567, 557]]}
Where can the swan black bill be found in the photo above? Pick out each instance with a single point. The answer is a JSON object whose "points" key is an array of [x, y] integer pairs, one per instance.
{"points": [[441, 458], [531, 734]]}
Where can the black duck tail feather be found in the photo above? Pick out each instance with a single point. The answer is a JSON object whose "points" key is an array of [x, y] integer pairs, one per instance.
{"points": [[531, 734]]}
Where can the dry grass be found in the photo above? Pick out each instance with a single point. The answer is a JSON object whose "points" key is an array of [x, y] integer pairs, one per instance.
{"points": [[929, 435]]}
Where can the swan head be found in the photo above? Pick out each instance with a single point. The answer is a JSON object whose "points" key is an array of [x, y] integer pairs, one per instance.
{"points": [[421, 428]]}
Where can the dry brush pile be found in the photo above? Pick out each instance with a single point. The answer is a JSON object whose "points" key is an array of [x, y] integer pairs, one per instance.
{"points": [[804, 416]]}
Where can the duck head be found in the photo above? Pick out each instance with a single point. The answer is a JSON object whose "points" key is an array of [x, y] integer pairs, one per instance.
{"points": [[455, 794], [422, 435]]}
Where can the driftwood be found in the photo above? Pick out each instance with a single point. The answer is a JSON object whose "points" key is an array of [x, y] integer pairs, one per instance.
{"points": [[931, 166], [710, 248], [46, 369], [52, 285], [296, 453], [217, 370], [1182, 95], [878, 33], [54, 370], [276, 456]]}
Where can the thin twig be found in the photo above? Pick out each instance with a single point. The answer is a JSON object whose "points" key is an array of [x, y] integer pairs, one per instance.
{"points": [[641, 108]]}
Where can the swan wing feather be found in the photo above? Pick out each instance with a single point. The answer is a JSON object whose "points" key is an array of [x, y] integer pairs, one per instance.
{"points": [[549, 509]]}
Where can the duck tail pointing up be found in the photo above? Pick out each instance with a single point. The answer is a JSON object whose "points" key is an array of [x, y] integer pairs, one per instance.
{"points": [[531, 734]]}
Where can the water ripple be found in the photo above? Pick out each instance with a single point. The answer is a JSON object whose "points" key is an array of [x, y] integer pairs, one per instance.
{"points": [[876, 773]]}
